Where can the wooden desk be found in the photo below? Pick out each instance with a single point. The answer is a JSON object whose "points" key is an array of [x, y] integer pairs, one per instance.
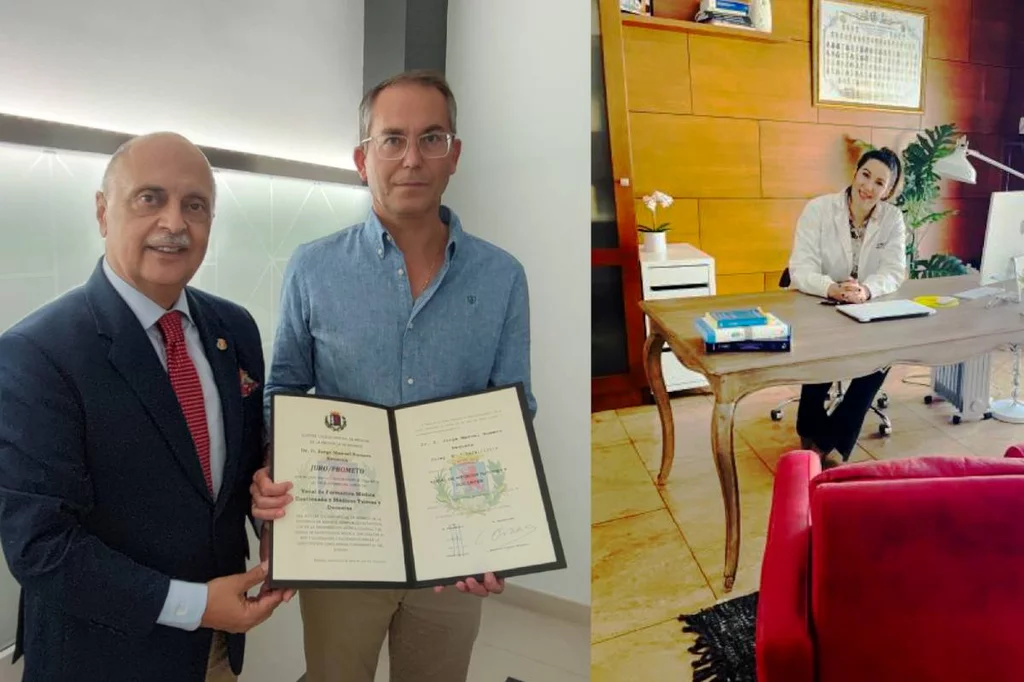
{"points": [[827, 346]]}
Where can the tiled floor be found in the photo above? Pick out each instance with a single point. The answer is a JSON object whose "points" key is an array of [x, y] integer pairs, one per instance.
{"points": [[524, 645], [659, 553]]}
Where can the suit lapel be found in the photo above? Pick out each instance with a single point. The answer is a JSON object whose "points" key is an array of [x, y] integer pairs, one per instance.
{"points": [[132, 355], [223, 361]]}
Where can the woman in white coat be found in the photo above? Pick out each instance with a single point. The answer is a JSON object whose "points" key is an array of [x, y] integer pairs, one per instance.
{"points": [[849, 247]]}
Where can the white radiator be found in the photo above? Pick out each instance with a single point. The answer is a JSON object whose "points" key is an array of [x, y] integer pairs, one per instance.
{"points": [[965, 385]]}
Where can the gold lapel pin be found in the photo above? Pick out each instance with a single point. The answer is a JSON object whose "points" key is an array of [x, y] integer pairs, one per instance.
{"points": [[222, 344]]}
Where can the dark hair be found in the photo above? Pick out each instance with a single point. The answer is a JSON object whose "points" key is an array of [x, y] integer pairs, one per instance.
{"points": [[887, 158]]}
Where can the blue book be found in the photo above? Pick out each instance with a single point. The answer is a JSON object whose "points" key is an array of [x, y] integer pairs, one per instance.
{"points": [[772, 345], [743, 317]]}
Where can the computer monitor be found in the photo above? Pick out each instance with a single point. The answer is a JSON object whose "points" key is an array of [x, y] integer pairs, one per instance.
{"points": [[1004, 237]]}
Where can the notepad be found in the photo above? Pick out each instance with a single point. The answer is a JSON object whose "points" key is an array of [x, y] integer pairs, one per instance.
{"points": [[885, 310]]}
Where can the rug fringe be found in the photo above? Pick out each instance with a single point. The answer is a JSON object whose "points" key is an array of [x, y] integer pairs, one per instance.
{"points": [[705, 668]]}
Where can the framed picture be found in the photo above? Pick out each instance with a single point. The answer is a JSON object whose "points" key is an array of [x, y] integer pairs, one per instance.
{"points": [[869, 55]]}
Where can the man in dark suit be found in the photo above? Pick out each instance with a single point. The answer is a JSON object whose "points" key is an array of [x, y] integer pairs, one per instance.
{"points": [[130, 426]]}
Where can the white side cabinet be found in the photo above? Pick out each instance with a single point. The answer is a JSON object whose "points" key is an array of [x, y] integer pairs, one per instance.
{"points": [[683, 271]]}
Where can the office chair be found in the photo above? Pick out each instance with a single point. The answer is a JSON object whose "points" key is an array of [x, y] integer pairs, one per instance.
{"points": [[836, 392]]}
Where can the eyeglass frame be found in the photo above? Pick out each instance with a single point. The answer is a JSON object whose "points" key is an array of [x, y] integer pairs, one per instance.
{"points": [[450, 137]]}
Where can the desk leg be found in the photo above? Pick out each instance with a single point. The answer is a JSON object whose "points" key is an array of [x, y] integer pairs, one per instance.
{"points": [[652, 362], [725, 462]]}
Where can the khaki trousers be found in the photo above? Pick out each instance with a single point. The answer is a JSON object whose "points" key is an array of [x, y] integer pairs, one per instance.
{"points": [[219, 669], [430, 635]]}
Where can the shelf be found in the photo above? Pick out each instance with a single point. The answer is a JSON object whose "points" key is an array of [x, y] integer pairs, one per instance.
{"points": [[682, 26]]}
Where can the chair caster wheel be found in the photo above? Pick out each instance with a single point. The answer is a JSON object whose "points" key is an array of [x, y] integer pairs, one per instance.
{"points": [[884, 430], [987, 415], [928, 400], [776, 415], [883, 403], [956, 419]]}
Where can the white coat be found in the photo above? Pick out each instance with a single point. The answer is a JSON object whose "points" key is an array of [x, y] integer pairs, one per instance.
{"points": [[822, 248]]}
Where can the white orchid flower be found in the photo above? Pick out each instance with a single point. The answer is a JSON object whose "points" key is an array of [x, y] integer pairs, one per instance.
{"points": [[663, 199], [650, 202]]}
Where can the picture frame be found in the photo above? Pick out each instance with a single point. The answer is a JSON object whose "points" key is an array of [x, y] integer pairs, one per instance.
{"points": [[869, 55]]}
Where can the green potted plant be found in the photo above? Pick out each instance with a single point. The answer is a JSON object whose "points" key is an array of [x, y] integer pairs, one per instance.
{"points": [[917, 199], [655, 235]]}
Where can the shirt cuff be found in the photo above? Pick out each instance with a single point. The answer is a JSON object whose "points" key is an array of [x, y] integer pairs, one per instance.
{"points": [[184, 606]]}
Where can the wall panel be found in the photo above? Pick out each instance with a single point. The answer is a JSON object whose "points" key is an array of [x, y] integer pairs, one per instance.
{"points": [[748, 235], [739, 284], [657, 71], [992, 32], [745, 79], [971, 95], [694, 156], [805, 160], [792, 19]]}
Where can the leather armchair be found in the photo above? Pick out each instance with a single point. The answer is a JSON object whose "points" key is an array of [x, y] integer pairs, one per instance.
{"points": [[894, 571]]}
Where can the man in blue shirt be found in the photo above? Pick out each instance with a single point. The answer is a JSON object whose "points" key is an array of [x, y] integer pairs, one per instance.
{"points": [[403, 307]]}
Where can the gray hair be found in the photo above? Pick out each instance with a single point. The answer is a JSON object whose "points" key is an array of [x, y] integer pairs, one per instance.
{"points": [[117, 157], [424, 77]]}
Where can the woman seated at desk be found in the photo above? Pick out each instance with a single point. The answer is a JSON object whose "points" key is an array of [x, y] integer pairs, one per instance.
{"points": [[849, 247]]}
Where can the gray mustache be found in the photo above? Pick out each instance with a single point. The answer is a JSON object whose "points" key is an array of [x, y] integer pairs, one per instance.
{"points": [[183, 241]]}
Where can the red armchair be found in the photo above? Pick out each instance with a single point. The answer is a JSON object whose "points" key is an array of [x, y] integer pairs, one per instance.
{"points": [[907, 570]]}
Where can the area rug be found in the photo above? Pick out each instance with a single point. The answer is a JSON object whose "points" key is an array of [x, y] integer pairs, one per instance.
{"points": [[725, 641]]}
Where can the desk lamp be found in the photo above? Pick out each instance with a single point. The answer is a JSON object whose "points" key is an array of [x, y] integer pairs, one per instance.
{"points": [[956, 166]]}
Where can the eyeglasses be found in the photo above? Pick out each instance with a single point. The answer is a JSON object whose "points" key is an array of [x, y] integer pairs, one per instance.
{"points": [[392, 146]]}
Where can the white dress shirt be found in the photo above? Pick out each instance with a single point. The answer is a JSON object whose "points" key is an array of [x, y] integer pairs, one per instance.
{"points": [[186, 602]]}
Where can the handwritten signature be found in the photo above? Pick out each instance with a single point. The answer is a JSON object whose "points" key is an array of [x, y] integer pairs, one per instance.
{"points": [[504, 536]]}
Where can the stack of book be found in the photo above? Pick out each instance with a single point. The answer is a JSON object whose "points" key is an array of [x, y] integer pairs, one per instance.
{"points": [[748, 329], [735, 13]]}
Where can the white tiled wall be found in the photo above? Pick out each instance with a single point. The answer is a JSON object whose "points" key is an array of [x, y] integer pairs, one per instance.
{"points": [[50, 242]]}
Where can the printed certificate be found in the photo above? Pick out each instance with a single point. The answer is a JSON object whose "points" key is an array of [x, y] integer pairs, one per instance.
{"points": [[419, 495]]}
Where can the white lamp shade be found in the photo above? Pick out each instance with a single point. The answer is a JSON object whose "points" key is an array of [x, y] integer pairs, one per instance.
{"points": [[956, 166]]}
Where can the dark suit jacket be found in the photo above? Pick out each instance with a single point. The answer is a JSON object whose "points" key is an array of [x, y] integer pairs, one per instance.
{"points": [[102, 499]]}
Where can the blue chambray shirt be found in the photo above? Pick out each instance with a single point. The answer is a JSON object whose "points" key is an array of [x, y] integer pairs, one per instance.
{"points": [[349, 327]]}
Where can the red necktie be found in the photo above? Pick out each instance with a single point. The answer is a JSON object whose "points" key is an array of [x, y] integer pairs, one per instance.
{"points": [[185, 382]]}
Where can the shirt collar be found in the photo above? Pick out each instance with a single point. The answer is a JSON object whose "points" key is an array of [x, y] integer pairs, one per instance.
{"points": [[380, 240], [146, 310]]}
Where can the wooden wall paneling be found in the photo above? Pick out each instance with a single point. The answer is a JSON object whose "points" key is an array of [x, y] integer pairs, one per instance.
{"points": [[657, 70], [992, 32], [749, 235], [792, 19], [1017, 50], [948, 27], [1017, 45], [771, 280], [866, 118], [743, 79], [749, 283], [677, 9], [894, 138], [694, 156], [800, 160], [682, 214], [972, 96]]}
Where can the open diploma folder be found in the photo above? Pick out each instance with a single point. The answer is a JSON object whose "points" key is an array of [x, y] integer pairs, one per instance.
{"points": [[414, 496]]}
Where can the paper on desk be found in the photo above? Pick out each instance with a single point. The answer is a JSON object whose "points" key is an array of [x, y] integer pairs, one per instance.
{"points": [[980, 292]]}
